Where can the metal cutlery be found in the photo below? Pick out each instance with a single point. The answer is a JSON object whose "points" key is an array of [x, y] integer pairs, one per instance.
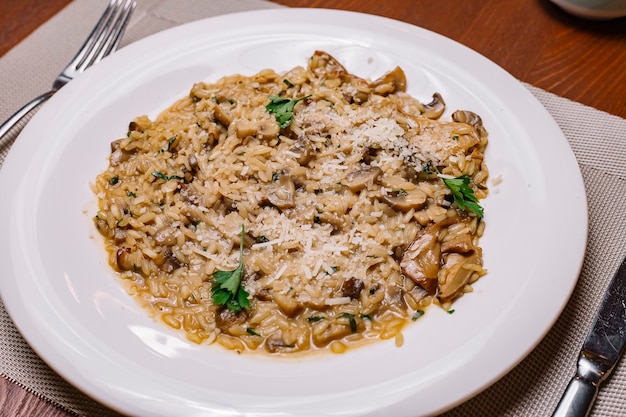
{"points": [[600, 352], [103, 40]]}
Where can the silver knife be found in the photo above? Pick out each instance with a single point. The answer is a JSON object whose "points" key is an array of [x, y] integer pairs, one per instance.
{"points": [[601, 351]]}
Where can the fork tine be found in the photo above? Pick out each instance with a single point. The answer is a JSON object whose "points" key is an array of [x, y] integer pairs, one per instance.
{"points": [[115, 36], [93, 38], [109, 33]]}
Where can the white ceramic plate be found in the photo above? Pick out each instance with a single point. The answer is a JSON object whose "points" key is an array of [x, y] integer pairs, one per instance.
{"points": [[67, 303]]}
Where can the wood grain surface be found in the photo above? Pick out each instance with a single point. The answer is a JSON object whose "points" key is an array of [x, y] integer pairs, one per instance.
{"points": [[534, 40]]}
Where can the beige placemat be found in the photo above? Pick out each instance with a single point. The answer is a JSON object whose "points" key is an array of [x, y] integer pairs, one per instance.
{"points": [[532, 388]]}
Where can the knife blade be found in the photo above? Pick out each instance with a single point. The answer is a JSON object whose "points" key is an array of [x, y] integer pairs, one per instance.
{"points": [[600, 352]]}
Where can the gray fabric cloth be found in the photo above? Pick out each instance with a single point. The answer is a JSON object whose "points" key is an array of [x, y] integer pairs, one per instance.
{"points": [[532, 388]]}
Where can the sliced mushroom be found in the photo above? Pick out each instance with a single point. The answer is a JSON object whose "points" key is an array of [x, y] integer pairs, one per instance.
{"points": [[262, 129], [120, 235], [171, 263], [275, 343], [282, 193], [457, 271], [391, 82], [406, 200], [472, 119], [395, 296], [460, 244], [331, 332], [323, 65], [359, 180], [118, 155], [223, 115], [336, 221], [435, 108], [421, 260], [303, 151], [128, 259]]}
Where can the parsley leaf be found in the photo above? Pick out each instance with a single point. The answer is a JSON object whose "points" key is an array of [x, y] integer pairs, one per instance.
{"points": [[164, 177], [227, 288], [282, 108], [463, 194]]}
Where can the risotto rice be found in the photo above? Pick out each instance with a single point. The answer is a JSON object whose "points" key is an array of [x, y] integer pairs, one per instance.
{"points": [[346, 205]]}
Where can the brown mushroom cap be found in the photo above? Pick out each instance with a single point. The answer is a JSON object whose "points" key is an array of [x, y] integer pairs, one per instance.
{"points": [[435, 108], [359, 180], [282, 193], [406, 200], [391, 82]]}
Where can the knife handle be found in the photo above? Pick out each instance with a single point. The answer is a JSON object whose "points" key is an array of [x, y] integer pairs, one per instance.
{"points": [[577, 399]]}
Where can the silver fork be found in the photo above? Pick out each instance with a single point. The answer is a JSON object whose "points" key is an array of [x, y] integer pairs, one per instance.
{"points": [[103, 40]]}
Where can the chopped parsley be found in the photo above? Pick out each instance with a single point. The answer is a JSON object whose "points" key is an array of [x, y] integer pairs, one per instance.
{"points": [[314, 319], [282, 108], [450, 311], [227, 288], [463, 194], [171, 142], [164, 177], [131, 194], [114, 180], [351, 321], [417, 315], [251, 331]]}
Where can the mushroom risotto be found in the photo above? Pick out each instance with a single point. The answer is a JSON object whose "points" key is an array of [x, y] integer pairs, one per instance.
{"points": [[299, 211]]}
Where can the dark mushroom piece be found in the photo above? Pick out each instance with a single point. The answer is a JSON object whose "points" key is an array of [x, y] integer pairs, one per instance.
{"points": [[359, 180], [422, 259], [435, 108], [282, 192], [226, 319], [352, 288], [406, 200]]}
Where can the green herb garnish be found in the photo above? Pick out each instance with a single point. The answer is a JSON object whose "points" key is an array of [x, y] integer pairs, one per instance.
{"points": [[282, 108], [417, 315], [114, 180], [463, 194], [131, 194], [450, 311], [171, 142], [351, 320], [314, 319], [164, 177], [251, 331], [227, 288]]}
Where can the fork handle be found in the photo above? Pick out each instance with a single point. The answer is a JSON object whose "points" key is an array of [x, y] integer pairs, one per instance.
{"points": [[19, 115]]}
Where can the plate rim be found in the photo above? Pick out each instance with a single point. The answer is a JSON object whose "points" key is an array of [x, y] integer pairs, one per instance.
{"points": [[11, 306]]}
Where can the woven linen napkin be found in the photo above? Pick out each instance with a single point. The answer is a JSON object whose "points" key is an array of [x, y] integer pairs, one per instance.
{"points": [[532, 388]]}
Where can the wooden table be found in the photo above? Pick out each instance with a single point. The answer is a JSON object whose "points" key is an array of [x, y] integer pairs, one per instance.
{"points": [[534, 40]]}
